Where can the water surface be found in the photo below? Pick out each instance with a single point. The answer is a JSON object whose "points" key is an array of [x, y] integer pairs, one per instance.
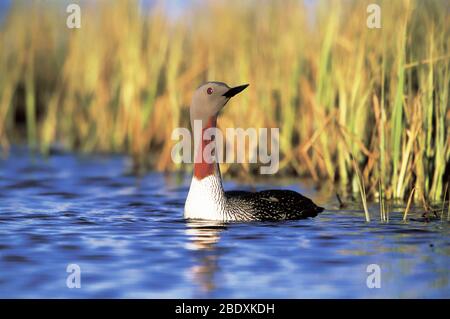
{"points": [[128, 237]]}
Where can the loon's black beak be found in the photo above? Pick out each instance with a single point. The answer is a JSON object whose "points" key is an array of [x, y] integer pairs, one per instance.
{"points": [[233, 91]]}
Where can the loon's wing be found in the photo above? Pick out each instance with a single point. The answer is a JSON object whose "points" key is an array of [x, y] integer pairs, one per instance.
{"points": [[275, 204]]}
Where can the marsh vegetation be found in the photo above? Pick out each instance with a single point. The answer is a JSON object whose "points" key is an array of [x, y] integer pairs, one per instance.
{"points": [[367, 109]]}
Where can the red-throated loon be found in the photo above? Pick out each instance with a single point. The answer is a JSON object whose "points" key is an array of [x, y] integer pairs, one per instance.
{"points": [[207, 198]]}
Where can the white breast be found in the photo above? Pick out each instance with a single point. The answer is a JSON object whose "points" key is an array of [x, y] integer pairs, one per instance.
{"points": [[206, 199]]}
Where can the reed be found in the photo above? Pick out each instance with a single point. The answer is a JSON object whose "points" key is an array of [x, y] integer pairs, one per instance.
{"points": [[362, 192], [123, 82], [408, 206], [382, 203], [448, 211]]}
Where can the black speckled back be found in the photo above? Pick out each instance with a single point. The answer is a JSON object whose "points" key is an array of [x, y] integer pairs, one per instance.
{"points": [[270, 205]]}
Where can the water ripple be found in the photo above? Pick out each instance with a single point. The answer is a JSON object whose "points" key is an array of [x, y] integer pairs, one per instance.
{"points": [[129, 239]]}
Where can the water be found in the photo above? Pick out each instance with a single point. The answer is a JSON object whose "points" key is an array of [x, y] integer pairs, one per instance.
{"points": [[129, 239]]}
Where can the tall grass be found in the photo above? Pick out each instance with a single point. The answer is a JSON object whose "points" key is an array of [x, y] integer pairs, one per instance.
{"points": [[339, 91]]}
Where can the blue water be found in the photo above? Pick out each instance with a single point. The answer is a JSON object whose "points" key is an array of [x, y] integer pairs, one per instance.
{"points": [[128, 237]]}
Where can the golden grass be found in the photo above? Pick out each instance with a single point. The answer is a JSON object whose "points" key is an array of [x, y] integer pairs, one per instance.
{"points": [[335, 88]]}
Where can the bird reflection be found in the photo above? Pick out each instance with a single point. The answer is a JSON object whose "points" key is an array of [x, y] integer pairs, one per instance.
{"points": [[203, 237]]}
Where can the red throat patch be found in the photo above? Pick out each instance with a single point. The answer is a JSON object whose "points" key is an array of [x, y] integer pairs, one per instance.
{"points": [[203, 169]]}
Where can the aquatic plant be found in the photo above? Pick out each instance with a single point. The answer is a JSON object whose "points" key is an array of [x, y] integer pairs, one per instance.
{"points": [[339, 91]]}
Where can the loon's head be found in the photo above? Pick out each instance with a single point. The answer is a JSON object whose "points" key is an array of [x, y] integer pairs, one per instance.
{"points": [[209, 99]]}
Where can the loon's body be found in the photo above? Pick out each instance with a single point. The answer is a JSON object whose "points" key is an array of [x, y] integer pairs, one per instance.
{"points": [[207, 198]]}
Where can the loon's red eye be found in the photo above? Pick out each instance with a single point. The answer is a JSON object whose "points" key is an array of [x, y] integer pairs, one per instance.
{"points": [[209, 91]]}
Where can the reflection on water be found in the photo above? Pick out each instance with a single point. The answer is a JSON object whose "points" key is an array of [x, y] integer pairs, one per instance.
{"points": [[129, 239], [203, 234], [203, 237]]}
